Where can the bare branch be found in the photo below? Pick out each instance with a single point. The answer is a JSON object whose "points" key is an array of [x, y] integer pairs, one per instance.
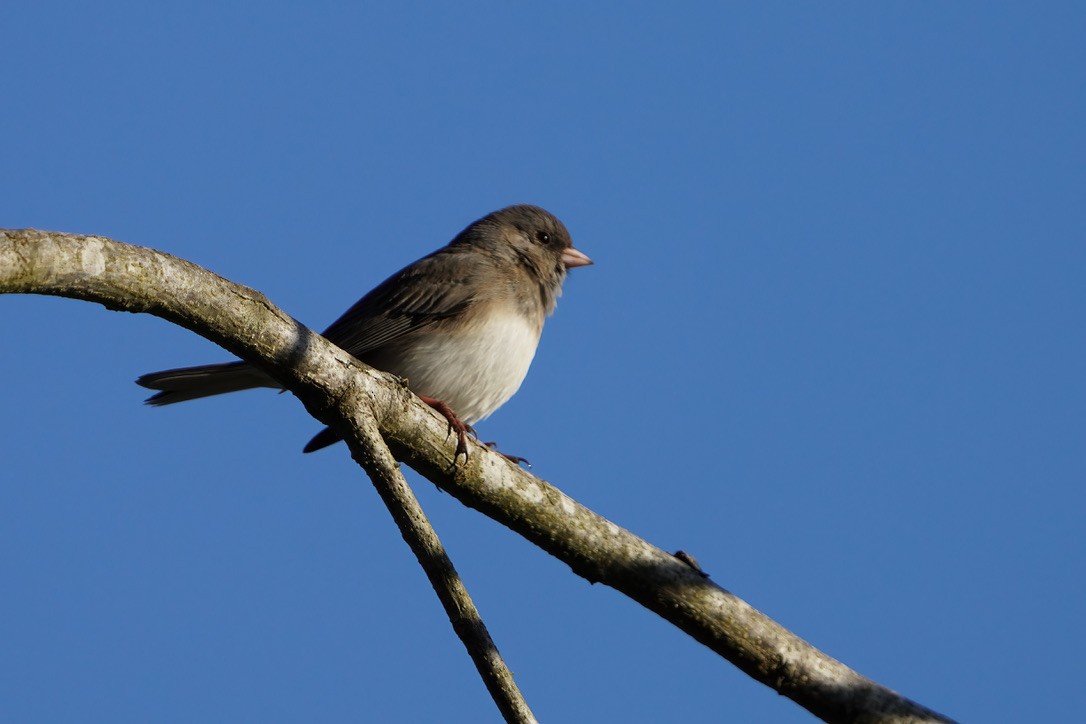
{"points": [[376, 459], [341, 392]]}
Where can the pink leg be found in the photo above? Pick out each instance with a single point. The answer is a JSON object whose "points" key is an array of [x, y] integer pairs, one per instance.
{"points": [[455, 423]]}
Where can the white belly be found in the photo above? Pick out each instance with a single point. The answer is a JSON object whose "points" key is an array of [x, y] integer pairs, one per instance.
{"points": [[475, 371]]}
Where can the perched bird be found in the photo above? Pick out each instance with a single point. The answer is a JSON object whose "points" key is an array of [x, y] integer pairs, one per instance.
{"points": [[460, 325]]}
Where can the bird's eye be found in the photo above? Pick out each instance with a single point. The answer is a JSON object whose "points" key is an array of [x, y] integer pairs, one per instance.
{"points": [[543, 237]]}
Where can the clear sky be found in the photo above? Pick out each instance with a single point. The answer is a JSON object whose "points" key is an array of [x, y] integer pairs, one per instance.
{"points": [[833, 345]]}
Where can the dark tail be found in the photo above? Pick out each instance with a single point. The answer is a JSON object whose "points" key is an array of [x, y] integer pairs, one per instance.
{"points": [[191, 383], [321, 440]]}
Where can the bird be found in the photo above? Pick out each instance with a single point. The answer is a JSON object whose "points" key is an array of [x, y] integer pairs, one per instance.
{"points": [[460, 325]]}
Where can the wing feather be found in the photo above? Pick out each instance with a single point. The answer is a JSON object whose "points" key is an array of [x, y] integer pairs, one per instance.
{"points": [[432, 289]]}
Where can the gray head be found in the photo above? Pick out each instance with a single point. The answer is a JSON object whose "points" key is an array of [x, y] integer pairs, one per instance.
{"points": [[531, 237]]}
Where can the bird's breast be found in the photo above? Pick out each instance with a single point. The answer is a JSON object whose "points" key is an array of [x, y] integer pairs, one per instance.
{"points": [[474, 368]]}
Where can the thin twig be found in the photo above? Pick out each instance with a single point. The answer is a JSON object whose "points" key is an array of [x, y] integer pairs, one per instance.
{"points": [[369, 451]]}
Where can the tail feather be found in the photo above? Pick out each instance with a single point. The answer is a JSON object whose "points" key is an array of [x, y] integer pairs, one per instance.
{"points": [[321, 440], [191, 383]]}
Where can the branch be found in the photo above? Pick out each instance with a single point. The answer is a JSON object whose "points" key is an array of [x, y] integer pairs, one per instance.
{"points": [[341, 392], [376, 459]]}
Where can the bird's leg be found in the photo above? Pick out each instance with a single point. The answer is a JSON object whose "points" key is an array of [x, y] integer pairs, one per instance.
{"points": [[455, 423]]}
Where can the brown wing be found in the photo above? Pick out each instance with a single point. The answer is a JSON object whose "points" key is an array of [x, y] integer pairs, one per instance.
{"points": [[435, 287]]}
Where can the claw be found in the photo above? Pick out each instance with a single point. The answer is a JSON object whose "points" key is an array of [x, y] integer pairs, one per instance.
{"points": [[515, 459], [455, 423]]}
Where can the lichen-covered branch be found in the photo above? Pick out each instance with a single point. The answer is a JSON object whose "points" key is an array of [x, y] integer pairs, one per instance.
{"points": [[343, 393]]}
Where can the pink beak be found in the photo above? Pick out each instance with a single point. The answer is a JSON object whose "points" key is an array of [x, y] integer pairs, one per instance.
{"points": [[572, 258]]}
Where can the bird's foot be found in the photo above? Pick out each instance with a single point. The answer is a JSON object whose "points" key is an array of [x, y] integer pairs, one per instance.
{"points": [[515, 459], [462, 428]]}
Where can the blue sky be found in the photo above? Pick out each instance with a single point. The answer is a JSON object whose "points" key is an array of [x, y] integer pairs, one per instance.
{"points": [[832, 345]]}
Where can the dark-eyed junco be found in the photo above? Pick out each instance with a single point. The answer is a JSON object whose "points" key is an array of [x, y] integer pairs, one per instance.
{"points": [[461, 325]]}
